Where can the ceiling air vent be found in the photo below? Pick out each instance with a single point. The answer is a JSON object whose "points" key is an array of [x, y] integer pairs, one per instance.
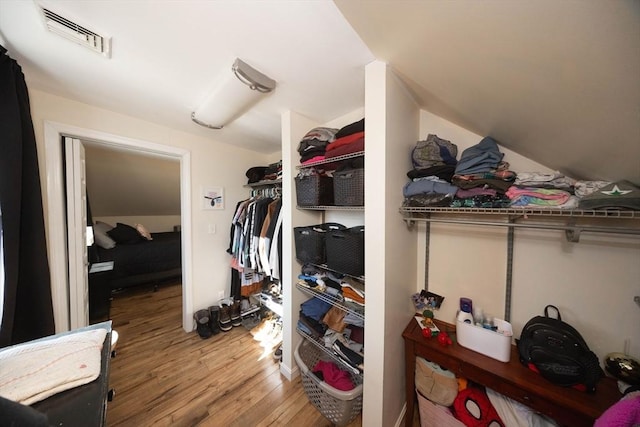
{"points": [[76, 33]]}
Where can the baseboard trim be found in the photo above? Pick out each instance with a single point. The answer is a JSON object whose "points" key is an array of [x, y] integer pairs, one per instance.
{"points": [[399, 421], [288, 372]]}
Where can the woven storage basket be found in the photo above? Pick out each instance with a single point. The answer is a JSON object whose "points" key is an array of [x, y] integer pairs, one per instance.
{"points": [[310, 241], [345, 250], [348, 187], [339, 407], [314, 190]]}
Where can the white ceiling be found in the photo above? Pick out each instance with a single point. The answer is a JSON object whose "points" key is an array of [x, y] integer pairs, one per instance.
{"points": [[556, 81], [167, 56]]}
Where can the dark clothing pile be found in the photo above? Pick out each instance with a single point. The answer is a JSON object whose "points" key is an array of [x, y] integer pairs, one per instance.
{"points": [[262, 173], [313, 145], [479, 179], [434, 162], [321, 143]]}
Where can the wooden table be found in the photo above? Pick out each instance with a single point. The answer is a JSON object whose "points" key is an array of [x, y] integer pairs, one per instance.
{"points": [[567, 406]]}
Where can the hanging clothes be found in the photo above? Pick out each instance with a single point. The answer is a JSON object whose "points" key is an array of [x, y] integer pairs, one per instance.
{"points": [[255, 227]]}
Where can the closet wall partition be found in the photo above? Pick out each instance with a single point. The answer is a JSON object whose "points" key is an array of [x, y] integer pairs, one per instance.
{"points": [[391, 128]]}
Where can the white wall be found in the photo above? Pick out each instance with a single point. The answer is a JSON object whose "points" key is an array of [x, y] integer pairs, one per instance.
{"points": [[212, 164], [294, 127], [392, 119], [592, 282]]}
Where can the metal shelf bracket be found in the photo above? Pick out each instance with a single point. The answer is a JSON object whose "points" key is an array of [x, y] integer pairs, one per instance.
{"points": [[572, 234]]}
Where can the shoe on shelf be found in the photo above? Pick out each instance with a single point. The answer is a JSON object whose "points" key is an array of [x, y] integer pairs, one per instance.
{"points": [[202, 323], [225, 317], [214, 318], [236, 318]]}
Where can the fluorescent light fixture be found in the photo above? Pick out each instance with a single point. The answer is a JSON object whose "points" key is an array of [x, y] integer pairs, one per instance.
{"points": [[236, 93]]}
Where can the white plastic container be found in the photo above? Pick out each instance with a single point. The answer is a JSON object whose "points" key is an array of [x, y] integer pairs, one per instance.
{"points": [[495, 344]]}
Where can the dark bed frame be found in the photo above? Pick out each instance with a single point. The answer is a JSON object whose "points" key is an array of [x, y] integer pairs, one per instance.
{"points": [[145, 262]]}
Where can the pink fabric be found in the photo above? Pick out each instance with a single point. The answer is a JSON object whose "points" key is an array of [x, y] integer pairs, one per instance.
{"points": [[334, 376], [624, 413], [558, 196], [353, 147], [313, 160]]}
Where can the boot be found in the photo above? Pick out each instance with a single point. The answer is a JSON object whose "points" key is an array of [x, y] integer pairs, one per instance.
{"points": [[202, 323], [225, 317], [236, 318], [214, 318]]}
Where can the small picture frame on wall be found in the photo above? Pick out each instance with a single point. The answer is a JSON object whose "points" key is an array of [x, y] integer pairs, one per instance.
{"points": [[213, 198]]}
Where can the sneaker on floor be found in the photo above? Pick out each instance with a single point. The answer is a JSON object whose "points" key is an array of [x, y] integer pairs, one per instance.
{"points": [[225, 318]]}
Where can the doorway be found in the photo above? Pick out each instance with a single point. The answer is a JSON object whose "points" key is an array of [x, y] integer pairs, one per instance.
{"points": [[56, 212]]}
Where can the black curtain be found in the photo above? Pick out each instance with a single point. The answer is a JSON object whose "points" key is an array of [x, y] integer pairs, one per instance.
{"points": [[28, 310]]}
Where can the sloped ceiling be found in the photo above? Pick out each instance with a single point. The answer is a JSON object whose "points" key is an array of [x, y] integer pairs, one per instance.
{"points": [[556, 81], [126, 183]]}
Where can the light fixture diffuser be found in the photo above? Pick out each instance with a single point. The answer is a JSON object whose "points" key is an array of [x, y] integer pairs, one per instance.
{"points": [[234, 95]]}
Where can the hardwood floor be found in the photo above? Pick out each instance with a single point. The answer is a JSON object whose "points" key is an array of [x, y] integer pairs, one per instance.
{"points": [[163, 376]]}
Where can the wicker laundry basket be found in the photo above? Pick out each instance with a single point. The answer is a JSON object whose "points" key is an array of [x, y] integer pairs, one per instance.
{"points": [[348, 187], [310, 241], [339, 407], [315, 190], [345, 250]]}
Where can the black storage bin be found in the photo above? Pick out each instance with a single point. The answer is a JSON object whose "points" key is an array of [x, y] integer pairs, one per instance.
{"points": [[314, 190], [345, 250], [310, 241], [348, 187]]}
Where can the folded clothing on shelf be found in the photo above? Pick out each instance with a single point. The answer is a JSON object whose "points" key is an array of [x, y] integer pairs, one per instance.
{"points": [[349, 356]]}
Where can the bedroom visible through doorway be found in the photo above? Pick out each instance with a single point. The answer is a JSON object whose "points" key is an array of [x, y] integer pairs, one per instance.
{"points": [[134, 205], [57, 206]]}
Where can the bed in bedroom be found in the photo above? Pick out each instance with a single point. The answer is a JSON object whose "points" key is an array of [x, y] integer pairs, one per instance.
{"points": [[139, 257]]}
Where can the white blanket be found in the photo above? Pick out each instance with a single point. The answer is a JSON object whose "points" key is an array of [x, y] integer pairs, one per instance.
{"points": [[34, 371]]}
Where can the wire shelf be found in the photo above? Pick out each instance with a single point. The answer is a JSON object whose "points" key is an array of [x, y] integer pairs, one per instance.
{"points": [[329, 352], [330, 300], [331, 208], [519, 218], [602, 213], [264, 183], [332, 159]]}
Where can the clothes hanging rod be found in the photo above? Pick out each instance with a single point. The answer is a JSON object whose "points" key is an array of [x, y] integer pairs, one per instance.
{"points": [[526, 212], [575, 230]]}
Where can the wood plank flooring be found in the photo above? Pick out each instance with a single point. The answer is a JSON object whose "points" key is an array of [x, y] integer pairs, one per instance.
{"points": [[163, 376]]}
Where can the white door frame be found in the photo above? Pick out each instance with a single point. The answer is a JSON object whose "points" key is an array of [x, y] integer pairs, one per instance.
{"points": [[76, 185], [53, 133]]}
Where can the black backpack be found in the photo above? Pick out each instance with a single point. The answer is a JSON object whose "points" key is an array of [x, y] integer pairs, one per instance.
{"points": [[558, 352]]}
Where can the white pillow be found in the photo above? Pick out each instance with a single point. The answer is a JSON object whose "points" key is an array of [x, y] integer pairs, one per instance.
{"points": [[143, 231], [101, 237]]}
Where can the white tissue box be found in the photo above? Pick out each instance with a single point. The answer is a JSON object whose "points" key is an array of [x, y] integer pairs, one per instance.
{"points": [[494, 344]]}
